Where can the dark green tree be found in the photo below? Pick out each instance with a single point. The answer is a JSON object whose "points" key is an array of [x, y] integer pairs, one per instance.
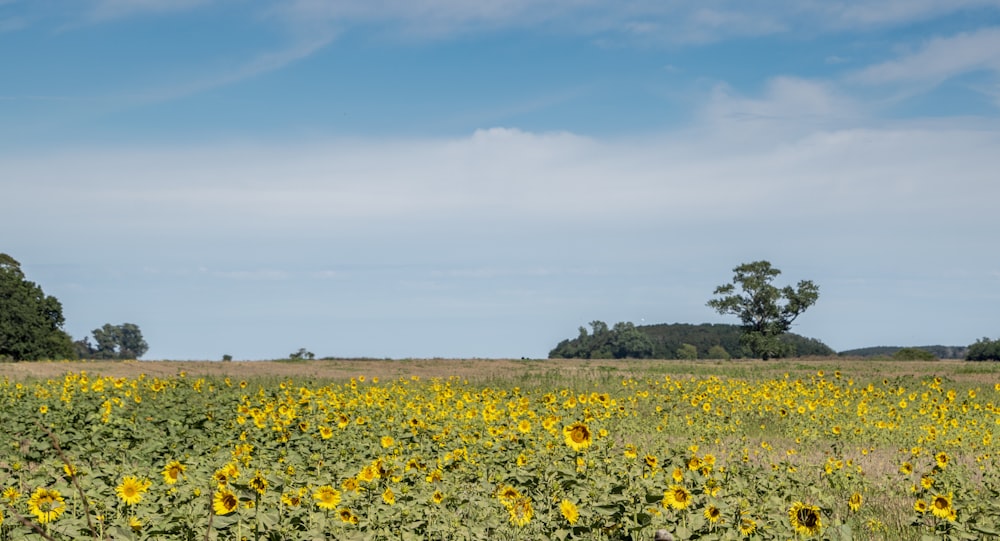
{"points": [[622, 341], [118, 342], [913, 354], [765, 311], [687, 352], [30, 321], [984, 350], [302, 354], [629, 342]]}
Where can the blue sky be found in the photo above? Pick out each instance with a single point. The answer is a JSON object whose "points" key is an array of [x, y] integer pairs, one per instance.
{"points": [[443, 178]]}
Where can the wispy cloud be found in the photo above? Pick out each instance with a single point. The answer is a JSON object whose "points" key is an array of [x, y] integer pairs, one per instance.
{"points": [[939, 59], [787, 104], [108, 10], [663, 21], [261, 64], [853, 13], [9, 24]]}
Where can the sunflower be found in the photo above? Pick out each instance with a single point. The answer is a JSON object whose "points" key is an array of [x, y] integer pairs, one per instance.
{"points": [[631, 452], [224, 501], [508, 495], [524, 426], [920, 506], [368, 474], [11, 494], [941, 459], [350, 485], [677, 497], [650, 461], [291, 499], [747, 526], [521, 511], [906, 468], [46, 504], [569, 511], [258, 483], [855, 501], [173, 471], [694, 463], [437, 497], [805, 519], [941, 505], [326, 497], [325, 432], [713, 514], [577, 436], [346, 516], [389, 496], [927, 482], [678, 475], [387, 442], [131, 489]]}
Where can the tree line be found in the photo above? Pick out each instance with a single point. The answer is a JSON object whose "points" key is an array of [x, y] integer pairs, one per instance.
{"points": [[673, 341], [31, 325], [766, 313]]}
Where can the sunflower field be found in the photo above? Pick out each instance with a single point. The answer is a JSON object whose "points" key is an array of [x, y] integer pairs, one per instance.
{"points": [[821, 456]]}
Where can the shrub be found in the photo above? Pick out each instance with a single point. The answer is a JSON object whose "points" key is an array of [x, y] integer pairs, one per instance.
{"points": [[687, 352], [984, 350], [913, 354], [718, 352]]}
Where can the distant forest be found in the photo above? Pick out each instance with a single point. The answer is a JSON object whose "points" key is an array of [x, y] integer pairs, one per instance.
{"points": [[671, 341], [941, 352]]}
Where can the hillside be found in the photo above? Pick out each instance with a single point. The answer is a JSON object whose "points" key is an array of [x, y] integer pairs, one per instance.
{"points": [[669, 337], [941, 352], [671, 341]]}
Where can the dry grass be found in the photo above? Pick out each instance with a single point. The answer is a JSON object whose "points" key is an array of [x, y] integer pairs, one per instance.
{"points": [[520, 371]]}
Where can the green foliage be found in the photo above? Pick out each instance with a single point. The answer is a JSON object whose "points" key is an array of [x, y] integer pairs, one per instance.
{"points": [[114, 342], [625, 340], [687, 352], [984, 350], [939, 351], [302, 354], [30, 321], [668, 338], [718, 352], [913, 354], [766, 311]]}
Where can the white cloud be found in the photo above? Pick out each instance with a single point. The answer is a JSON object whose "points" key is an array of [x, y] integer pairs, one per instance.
{"points": [[789, 105], [745, 160], [939, 59]]}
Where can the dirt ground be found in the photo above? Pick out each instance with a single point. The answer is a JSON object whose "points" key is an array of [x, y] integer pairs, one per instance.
{"points": [[485, 370]]}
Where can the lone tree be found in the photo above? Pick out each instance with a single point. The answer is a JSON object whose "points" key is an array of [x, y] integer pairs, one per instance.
{"points": [[765, 311], [123, 341], [30, 321]]}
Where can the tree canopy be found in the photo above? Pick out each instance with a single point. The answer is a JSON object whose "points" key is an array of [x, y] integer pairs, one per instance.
{"points": [[766, 311], [622, 341], [30, 321], [984, 350], [123, 341], [668, 341]]}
